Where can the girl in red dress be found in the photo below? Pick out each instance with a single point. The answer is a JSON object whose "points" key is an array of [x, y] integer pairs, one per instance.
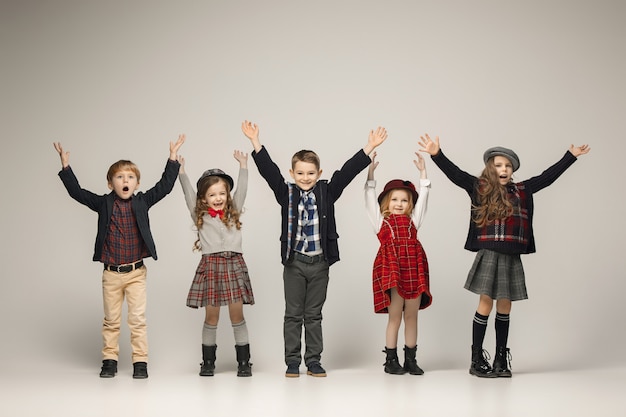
{"points": [[400, 275]]}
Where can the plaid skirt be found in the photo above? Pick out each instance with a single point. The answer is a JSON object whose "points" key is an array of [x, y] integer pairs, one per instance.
{"points": [[497, 275], [221, 279]]}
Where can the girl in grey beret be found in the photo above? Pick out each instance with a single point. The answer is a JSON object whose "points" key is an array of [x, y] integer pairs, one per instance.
{"points": [[500, 231]]}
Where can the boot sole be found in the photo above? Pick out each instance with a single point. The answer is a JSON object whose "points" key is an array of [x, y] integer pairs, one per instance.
{"points": [[479, 375], [395, 373]]}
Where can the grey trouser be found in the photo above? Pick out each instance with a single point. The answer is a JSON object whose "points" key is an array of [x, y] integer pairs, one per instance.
{"points": [[305, 293]]}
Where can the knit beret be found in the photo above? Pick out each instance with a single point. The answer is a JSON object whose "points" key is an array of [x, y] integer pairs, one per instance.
{"points": [[500, 151]]}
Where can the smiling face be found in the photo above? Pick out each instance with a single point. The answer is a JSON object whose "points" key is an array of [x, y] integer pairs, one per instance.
{"points": [[504, 169], [399, 202], [124, 183], [305, 174], [216, 196]]}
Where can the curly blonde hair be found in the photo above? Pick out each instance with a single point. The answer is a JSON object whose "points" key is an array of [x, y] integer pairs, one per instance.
{"points": [[493, 203], [231, 214]]}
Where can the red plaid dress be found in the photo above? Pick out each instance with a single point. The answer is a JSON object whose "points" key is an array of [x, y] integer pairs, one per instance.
{"points": [[400, 262]]}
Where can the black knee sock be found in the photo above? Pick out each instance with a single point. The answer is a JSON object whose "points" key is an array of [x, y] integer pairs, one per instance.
{"points": [[502, 329], [479, 328]]}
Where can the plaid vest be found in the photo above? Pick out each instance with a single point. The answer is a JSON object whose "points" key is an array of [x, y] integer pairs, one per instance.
{"points": [[514, 229]]}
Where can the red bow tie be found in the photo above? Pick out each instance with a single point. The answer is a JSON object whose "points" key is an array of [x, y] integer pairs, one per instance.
{"points": [[214, 213]]}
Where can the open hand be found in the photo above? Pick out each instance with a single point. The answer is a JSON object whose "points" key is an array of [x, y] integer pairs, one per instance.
{"points": [[579, 150], [428, 145], [175, 146], [241, 157], [65, 156]]}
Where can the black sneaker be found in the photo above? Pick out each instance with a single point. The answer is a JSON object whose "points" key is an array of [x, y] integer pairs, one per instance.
{"points": [[140, 370], [315, 369], [109, 368], [293, 370]]}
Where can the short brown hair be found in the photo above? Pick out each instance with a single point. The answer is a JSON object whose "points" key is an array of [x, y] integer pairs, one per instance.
{"points": [[305, 156], [121, 165]]}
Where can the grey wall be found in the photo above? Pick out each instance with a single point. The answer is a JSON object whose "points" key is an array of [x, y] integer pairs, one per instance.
{"points": [[121, 79]]}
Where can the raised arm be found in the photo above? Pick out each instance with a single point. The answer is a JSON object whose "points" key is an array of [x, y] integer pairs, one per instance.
{"points": [[419, 212], [372, 167], [251, 130], [421, 165], [181, 161], [371, 203], [65, 156], [242, 158], [175, 146], [428, 145], [376, 137], [454, 173], [239, 196]]}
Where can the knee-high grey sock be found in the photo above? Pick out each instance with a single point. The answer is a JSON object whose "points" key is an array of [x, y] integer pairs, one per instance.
{"points": [[209, 335], [240, 331]]}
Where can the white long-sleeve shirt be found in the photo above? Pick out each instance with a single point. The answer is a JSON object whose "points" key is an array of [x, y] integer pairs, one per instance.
{"points": [[373, 208]]}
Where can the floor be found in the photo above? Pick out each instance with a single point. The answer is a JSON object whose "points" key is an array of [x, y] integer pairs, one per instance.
{"points": [[366, 392]]}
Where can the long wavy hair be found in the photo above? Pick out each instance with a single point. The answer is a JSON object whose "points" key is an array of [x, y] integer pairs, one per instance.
{"points": [[231, 214], [493, 203], [384, 204]]}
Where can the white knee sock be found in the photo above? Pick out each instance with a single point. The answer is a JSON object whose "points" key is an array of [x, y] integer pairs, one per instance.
{"points": [[209, 335], [241, 333]]}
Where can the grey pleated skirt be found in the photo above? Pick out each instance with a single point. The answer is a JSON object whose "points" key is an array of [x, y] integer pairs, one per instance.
{"points": [[497, 275]]}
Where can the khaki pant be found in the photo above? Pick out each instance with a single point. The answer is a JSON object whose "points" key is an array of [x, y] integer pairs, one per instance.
{"points": [[115, 287]]}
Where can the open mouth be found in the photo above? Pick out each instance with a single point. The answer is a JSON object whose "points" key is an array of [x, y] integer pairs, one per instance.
{"points": [[125, 189]]}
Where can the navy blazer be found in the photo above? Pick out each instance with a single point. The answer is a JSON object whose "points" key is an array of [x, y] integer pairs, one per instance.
{"points": [[326, 193], [103, 204]]}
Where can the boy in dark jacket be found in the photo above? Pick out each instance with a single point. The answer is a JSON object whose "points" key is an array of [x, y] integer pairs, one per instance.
{"points": [[308, 240], [122, 241]]}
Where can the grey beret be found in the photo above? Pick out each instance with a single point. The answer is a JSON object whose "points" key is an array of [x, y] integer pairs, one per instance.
{"points": [[217, 173], [500, 151]]}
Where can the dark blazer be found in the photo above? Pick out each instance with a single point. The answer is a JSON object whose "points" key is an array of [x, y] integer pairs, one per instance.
{"points": [[103, 204], [326, 193], [530, 186]]}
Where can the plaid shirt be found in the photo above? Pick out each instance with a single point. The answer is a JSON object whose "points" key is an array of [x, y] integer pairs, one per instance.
{"points": [[123, 243], [308, 238]]}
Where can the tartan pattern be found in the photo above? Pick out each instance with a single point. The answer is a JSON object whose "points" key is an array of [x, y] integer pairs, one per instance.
{"points": [[498, 275], [123, 243], [400, 262], [221, 279], [308, 237], [513, 229], [531, 186]]}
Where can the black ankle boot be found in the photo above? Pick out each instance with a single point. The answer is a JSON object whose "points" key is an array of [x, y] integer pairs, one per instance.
{"points": [[480, 367], [109, 368], [502, 362], [207, 367], [244, 367], [410, 364], [392, 365]]}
